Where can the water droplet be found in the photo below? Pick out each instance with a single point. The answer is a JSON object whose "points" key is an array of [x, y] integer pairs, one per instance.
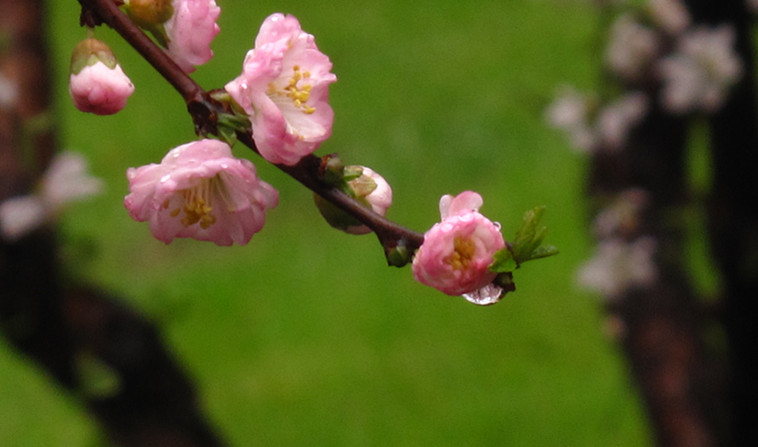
{"points": [[165, 178], [486, 296]]}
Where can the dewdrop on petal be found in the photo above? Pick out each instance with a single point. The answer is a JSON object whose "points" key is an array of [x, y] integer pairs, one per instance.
{"points": [[457, 252], [97, 83]]}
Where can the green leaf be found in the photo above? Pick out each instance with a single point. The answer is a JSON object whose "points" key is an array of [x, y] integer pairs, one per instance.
{"points": [[503, 262], [526, 245]]}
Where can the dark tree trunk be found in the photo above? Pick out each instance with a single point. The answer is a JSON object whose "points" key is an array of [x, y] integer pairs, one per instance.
{"points": [[150, 402], [733, 220]]}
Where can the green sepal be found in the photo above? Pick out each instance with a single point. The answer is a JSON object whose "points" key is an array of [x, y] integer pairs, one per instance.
{"points": [[89, 52], [232, 120], [526, 245], [398, 255]]}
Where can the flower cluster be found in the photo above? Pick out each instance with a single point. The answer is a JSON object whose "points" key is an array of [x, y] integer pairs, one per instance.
{"points": [[624, 258], [591, 128], [698, 75], [200, 190], [658, 56], [458, 251]]}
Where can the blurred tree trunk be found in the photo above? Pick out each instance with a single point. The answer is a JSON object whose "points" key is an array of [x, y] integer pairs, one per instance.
{"points": [[733, 219], [148, 401], [663, 327], [697, 392]]}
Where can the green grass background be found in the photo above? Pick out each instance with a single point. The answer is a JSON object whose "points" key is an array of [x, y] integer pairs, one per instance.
{"points": [[304, 336]]}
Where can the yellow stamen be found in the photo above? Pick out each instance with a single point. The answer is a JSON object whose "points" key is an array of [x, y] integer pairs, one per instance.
{"points": [[463, 251], [298, 94], [198, 207]]}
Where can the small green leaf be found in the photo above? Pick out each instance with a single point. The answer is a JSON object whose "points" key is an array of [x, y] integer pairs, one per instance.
{"points": [[526, 245], [503, 262]]}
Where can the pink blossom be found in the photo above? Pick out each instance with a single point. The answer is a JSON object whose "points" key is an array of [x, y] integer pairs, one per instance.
{"points": [[190, 32], [457, 252], [100, 89], [284, 88], [200, 190]]}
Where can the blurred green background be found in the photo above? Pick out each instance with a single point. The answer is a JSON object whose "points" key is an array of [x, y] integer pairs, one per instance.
{"points": [[304, 336]]}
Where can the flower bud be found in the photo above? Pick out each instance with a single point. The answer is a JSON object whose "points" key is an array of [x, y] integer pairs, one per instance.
{"points": [[97, 83], [149, 14], [368, 188]]}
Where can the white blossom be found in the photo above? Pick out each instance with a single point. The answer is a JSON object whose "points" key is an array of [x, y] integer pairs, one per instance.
{"points": [[631, 49], [622, 216], [570, 112], [697, 77], [618, 266], [590, 129], [66, 180], [618, 118], [670, 15], [8, 92]]}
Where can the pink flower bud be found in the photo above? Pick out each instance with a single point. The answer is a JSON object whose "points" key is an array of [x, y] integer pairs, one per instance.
{"points": [[199, 190], [369, 189], [284, 89], [190, 32], [457, 252], [97, 83]]}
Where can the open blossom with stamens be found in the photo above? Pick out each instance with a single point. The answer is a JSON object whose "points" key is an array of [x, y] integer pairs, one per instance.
{"points": [[199, 190], [284, 89], [190, 31], [457, 252], [66, 180]]}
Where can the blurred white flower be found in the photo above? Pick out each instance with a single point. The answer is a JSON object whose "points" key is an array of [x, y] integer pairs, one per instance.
{"points": [[618, 266], [570, 112], [618, 118], [670, 15], [66, 180], [8, 92], [631, 49], [622, 216], [699, 74], [590, 129]]}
